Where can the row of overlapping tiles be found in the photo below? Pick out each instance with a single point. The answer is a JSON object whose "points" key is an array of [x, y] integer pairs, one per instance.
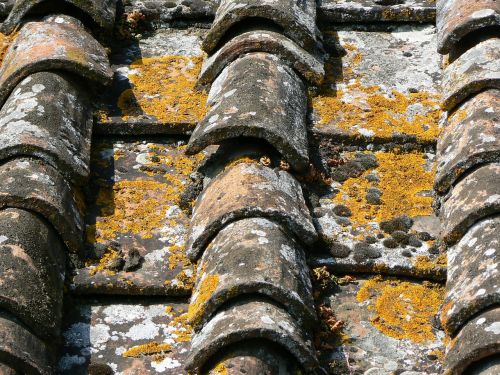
{"points": [[257, 90]]}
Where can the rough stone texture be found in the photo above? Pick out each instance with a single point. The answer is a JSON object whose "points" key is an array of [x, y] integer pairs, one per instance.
{"points": [[475, 70], [58, 42], [126, 177], [33, 185], [310, 67], [473, 198], [21, 350], [98, 333], [48, 116], [295, 18], [251, 319], [477, 340], [457, 18], [472, 283], [255, 256], [488, 366], [32, 271], [377, 10], [257, 96], [102, 12], [471, 137], [249, 190], [6, 370]]}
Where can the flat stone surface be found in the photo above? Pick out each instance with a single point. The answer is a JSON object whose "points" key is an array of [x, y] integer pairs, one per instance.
{"points": [[58, 42], [476, 340], [249, 190], [473, 198], [382, 85], [472, 284], [251, 319], [376, 11], [296, 18], [310, 67], [488, 366], [475, 70], [32, 185], [470, 137], [153, 91], [126, 337], [457, 18], [33, 268], [102, 12], [133, 207], [48, 116], [22, 350], [257, 96], [253, 256]]}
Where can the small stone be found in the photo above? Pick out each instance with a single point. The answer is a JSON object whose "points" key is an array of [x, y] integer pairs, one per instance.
{"points": [[424, 236], [372, 177], [342, 210], [390, 243], [370, 239], [402, 223], [343, 221], [373, 196], [100, 369], [400, 236], [407, 54], [434, 249], [364, 251], [115, 264], [380, 235], [132, 260], [406, 253], [337, 250], [414, 241]]}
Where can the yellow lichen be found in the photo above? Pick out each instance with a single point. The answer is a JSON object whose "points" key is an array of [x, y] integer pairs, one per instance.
{"points": [[425, 265], [403, 310], [5, 41], [164, 87], [152, 348], [402, 181], [109, 256], [220, 369], [207, 288]]}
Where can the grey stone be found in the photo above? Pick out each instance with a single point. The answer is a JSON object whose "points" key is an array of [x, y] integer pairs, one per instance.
{"points": [[249, 190], [414, 241], [476, 340], [338, 250], [342, 210], [457, 18], [57, 43], [102, 12], [470, 138], [251, 319], [48, 116], [473, 274], [487, 366], [364, 252], [257, 96], [401, 237], [296, 19], [254, 257], [401, 223], [32, 269], [35, 186], [374, 196], [475, 70], [308, 66], [133, 260], [472, 199]]}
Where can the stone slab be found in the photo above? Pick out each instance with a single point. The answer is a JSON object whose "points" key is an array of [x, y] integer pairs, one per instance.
{"points": [[257, 96]]}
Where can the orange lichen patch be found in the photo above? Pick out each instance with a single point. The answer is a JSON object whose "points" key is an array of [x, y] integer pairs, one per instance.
{"points": [[109, 256], [368, 111], [152, 348], [207, 288], [220, 369], [164, 87], [181, 329], [5, 41], [402, 181], [403, 310]]}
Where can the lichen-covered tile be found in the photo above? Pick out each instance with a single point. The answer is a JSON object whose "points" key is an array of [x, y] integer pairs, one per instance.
{"points": [[57, 42], [251, 319], [252, 256], [384, 89], [35, 186], [102, 12], [457, 18], [475, 70], [471, 137], [124, 337], [478, 339], [32, 271], [309, 66], [473, 275], [136, 228], [23, 350], [48, 116], [249, 190], [475, 197], [365, 11], [154, 87], [257, 96], [295, 18]]}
